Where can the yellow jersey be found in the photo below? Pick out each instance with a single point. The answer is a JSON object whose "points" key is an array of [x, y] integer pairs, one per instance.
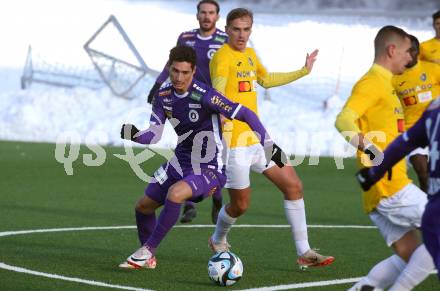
{"points": [[416, 88], [241, 69], [375, 102], [430, 51]]}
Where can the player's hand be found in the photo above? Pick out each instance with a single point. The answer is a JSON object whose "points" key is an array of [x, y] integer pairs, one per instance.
{"points": [[128, 131], [310, 60], [364, 179], [276, 154], [153, 92]]}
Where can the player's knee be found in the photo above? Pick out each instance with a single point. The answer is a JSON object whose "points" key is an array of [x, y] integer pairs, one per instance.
{"points": [[294, 189], [141, 206], [177, 193], [238, 207]]}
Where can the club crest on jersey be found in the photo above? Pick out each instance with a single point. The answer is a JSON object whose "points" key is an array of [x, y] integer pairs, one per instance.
{"points": [[192, 105], [423, 77], [251, 63], [193, 115], [211, 53]]}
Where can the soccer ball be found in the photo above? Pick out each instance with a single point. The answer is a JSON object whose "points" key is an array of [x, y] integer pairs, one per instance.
{"points": [[225, 268]]}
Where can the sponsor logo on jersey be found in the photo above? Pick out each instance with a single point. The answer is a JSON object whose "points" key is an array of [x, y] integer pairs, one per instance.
{"points": [[424, 87], [398, 110], [195, 96], [246, 74], [238, 64], [401, 125], [187, 35], [244, 86], [401, 84], [199, 88], [168, 108], [216, 46], [190, 43], [216, 100], [423, 77], [193, 115], [220, 39], [411, 100], [167, 100], [165, 93], [192, 105]]}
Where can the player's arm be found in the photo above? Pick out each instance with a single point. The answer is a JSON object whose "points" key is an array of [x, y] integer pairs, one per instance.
{"points": [[408, 141], [218, 103], [346, 121], [151, 135], [268, 80]]}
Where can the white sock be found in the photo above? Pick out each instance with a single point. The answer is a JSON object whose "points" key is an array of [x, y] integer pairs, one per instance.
{"points": [[383, 274], [296, 216], [418, 268], [224, 224]]}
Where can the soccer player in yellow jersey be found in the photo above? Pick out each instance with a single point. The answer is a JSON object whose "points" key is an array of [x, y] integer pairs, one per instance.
{"points": [[430, 49], [372, 118], [235, 71], [416, 88]]}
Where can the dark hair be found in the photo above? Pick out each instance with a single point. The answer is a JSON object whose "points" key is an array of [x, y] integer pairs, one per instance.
{"points": [[414, 42], [239, 13], [435, 16], [182, 53], [385, 35], [213, 2]]}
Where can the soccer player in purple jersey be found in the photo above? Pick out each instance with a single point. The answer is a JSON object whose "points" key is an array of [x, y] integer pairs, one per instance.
{"points": [[205, 40], [197, 170], [425, 132]]}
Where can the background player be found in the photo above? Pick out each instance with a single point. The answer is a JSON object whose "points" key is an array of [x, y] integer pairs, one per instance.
{"points": [[416, 88], [197, 170], [235, 71], [373, 113], [430, 49], [206, 40]]}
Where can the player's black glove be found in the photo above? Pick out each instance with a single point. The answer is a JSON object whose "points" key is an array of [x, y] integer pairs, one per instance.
{"points": [[376, 157], [276, 154], [364, 178], [128, 131], [153, 92]]}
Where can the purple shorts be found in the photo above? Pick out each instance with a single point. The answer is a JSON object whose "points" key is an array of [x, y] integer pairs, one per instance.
{"points": [[207, 183], [431, 229]]}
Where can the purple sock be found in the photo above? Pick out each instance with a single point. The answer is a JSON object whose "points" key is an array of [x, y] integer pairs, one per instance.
{"points": [[167, 219], [145, 225]]}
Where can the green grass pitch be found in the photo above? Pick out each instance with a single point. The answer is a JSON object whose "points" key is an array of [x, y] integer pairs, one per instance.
{"points": [[36, 193]]}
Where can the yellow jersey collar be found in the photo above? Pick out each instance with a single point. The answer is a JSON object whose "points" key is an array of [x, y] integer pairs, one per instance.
{"points": [[383, 72]]}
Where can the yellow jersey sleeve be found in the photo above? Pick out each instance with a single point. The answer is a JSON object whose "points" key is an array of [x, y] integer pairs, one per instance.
{"points": [[279, 79]]}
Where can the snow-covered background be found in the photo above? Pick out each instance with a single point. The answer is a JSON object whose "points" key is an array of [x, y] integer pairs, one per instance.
{"points": [[283, 32]]}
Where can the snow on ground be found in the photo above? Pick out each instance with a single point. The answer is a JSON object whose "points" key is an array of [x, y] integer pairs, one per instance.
{"points": [[294, 115]]}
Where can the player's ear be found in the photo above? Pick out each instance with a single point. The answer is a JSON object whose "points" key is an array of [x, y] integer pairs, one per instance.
{"points": [[390, 50]]}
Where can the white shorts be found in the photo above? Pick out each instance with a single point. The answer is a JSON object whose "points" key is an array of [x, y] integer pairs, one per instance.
{"points": [[400, 213], [240, 161], [419, 151]]}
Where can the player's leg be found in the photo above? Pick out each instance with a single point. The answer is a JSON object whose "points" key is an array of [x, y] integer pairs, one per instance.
{"points": [[290, 185], [217, 203], [420, 165], [238, 184], [431, 230], [397, 218], [189, 212]]}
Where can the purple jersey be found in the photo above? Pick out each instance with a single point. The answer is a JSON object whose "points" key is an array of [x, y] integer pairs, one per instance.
{"points": [[196, 120], [205, 48]]}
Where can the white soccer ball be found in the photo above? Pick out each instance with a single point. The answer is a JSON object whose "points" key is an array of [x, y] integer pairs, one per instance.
{"points": [[225, 268]]}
